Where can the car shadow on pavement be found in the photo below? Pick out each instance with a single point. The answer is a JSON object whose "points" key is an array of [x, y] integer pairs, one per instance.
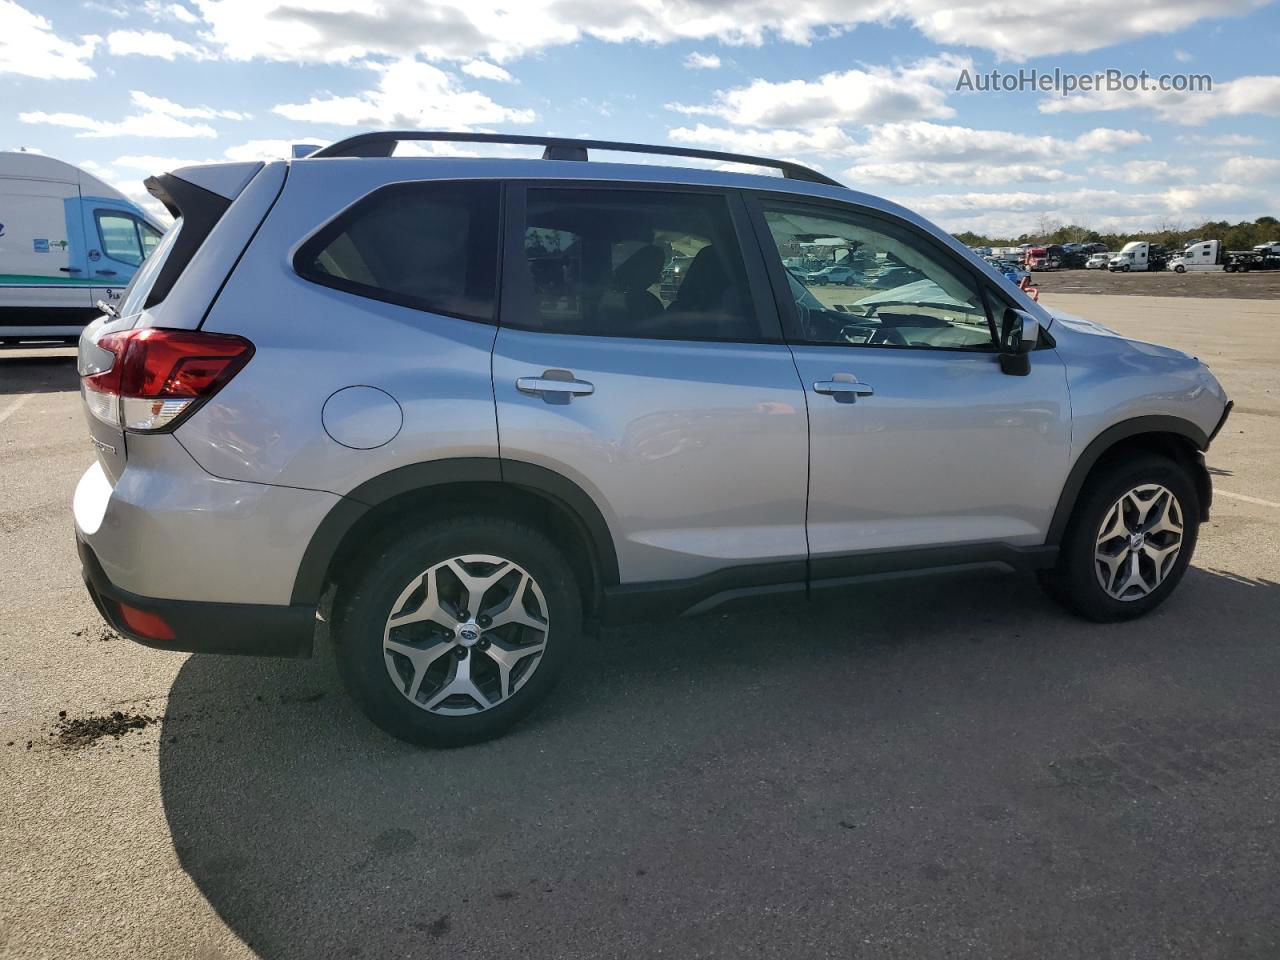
{"points": [[44, 374], [899, 769]]}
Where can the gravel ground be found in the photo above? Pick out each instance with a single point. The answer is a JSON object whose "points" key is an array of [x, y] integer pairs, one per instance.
{"points": [[1164, 283], [923, 769]]}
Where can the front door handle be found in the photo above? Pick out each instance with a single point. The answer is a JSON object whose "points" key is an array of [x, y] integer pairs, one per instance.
{"points": [[555, 386], [845, 387]]}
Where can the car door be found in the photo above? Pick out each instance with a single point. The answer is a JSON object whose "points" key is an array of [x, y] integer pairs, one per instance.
{"points": [[118, 242], [639, 356], [917, 439]]}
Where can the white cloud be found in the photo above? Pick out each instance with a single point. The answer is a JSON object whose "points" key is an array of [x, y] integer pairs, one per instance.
{"points": [[150, 43], [1074, 27], [920, 152], [915, 172], [149, 164], [849, 97], [701, 61], [937, 142], [262, 150], [169, 108], [157, 10], [1248, 169], [131, 187], [484, 70], [1246, 95], [158, 117], [344, 30], [826, 140], [28, 46], [1220, 140], [1013, 213], [409, 93], [1147, 171]]}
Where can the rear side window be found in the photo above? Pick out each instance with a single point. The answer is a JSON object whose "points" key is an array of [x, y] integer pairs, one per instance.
{"points": [[430, 246], [139, 288], [632, 263]]}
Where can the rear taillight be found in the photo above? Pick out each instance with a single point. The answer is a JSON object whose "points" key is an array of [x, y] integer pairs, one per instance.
{"points": [[148, 379]]}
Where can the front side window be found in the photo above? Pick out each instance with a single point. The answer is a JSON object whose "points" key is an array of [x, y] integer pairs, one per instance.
{"points": [[633, 263], [431, 246], [119, 235], [872, 282]]}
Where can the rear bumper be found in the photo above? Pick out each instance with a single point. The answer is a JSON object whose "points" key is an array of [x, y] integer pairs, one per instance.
{"points": [[198, 627]]}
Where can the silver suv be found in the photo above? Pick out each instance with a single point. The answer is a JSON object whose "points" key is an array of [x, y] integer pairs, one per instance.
{"points": [[460, 407]]}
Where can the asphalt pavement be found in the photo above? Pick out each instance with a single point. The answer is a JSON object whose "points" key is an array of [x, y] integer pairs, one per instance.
{"points": [[929, 768]]}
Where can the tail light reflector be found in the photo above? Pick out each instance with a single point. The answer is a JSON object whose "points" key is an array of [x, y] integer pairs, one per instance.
{"points": [[148, 379], [149, 625]]}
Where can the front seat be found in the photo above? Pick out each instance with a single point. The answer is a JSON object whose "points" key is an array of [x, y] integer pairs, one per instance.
{"points": [[706, 305], [630, 303]]}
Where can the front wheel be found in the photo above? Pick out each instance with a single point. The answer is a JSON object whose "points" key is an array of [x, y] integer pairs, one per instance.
{"points": [[1179, 269], [449, 634], [1129, 541], [1125, 268]]}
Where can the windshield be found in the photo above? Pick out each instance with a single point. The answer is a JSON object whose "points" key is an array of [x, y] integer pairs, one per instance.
{"points": [[135, 294]]}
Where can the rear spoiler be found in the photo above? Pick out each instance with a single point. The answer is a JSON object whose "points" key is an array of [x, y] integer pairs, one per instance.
{"points": [[199, 210]]}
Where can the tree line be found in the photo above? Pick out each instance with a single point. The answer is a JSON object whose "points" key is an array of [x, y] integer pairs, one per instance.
{"points": [[1234, 236]]}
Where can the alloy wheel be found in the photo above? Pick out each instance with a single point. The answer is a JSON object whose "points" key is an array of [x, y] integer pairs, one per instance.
{"points": [[1138, 542], [466, 634]]}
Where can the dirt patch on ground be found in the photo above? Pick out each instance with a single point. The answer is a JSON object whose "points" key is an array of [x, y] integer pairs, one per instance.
{"points": [[75, 732], [1241, 286]]}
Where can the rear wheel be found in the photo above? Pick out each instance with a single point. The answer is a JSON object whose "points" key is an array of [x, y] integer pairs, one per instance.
{"points": [[451, 633], [1129, 541]]}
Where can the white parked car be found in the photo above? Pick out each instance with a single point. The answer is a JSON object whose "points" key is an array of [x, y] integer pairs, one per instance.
{"points": [[1097, 261]]}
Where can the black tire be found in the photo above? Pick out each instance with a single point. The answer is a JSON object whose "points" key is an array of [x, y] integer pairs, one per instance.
{"points": [[365, 600], [1074, 581], [1179, 269], [1125, 268]]}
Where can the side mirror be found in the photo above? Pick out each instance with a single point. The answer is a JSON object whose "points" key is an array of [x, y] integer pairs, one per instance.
{"points": [[1019, 333]]}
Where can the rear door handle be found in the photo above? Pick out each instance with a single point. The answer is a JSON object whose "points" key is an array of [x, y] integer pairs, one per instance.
{"points": [[845, 387], [555, 386], [105, 273]]}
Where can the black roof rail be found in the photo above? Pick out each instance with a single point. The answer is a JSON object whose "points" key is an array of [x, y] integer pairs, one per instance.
{"points": [[383, 143]]}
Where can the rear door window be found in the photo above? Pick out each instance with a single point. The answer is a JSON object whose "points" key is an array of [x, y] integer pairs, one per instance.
{"points": [[430, 246], [633, 263]]}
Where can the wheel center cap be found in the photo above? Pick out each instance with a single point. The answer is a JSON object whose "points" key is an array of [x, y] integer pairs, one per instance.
{"points": [[1137, 540], [468, 634]]}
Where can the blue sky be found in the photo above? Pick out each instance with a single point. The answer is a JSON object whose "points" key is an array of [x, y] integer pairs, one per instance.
{"points": [[865, 91]]}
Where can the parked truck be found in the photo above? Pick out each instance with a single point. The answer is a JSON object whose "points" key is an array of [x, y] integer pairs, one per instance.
{"points": [[1139, 255], [1209, 256], [67, 240]]}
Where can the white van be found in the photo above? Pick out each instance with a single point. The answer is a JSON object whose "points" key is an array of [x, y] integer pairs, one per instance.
{"points": [[67, 240]]}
